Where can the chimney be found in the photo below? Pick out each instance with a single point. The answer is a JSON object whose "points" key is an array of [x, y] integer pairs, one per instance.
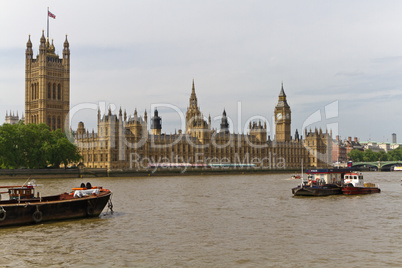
{"points": [[337, 138]]}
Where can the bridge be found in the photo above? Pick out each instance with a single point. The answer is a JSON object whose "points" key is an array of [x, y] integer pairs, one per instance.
{"points": [[377, 164]]}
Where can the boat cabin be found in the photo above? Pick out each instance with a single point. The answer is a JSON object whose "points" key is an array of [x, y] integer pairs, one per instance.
{"points": [[354, 178], [24, 192], [326, 176]]}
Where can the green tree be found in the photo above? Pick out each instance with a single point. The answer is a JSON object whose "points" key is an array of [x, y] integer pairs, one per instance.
{"points": [[395, 155], [11, 152], [382, 156], [356, 155], [35, 146], [62, 150], [369, 156]]}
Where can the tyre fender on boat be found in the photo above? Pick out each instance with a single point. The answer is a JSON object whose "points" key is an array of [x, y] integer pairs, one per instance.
{"points": [[37, 215], [3, 214]]}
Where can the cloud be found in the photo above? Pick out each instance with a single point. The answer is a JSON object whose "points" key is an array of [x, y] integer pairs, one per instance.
{"points": [[352, 73]]}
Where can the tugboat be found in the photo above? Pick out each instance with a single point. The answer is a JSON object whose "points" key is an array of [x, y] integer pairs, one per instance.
{"points": [[24, 208], [354, 184], [321, 182]]}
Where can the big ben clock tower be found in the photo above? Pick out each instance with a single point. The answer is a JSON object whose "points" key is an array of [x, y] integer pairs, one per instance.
{"points": [[282, 118]]}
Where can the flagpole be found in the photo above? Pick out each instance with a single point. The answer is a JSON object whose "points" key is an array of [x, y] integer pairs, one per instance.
{"points": [[47, 23]]}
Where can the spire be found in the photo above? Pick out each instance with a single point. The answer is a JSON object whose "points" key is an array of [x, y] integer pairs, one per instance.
{"points": [[282, 93], [66, 44], [135, 114], [29, 43], [43, 39], [282, 99], [193, 97], [66, 50], [42, 46]]}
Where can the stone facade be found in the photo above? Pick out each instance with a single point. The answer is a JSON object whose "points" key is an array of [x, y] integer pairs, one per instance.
{"points": [[124, 142], [47, 85]]}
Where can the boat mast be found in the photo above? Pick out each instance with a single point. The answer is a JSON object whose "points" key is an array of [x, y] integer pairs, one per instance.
{"points": [[301, 172]]}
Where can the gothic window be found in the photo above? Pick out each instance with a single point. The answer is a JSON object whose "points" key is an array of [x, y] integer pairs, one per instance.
{"points": [[49, 91], [54, 123], [54, 91], [49, 121], [33, 91], [58, 122], [58, 92]]}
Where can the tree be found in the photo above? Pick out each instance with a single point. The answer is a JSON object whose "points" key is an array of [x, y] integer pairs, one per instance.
{"points": [[62, 150], [356, 155], [35, 146], [382, 156]]}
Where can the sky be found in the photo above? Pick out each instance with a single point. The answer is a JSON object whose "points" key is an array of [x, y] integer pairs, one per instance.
{"points": [[340, 62]]}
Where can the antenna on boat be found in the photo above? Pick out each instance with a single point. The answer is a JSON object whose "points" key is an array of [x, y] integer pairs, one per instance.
{"points": [[25, 183]]}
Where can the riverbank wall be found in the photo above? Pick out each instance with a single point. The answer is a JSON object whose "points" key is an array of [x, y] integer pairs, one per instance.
{"points": [[91, 173]]}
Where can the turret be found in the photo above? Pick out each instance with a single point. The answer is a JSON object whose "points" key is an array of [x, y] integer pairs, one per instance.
{"points": [[66, 50], [156, 125], [224, 123], [29, 52], [42, 45], [258, 131]]}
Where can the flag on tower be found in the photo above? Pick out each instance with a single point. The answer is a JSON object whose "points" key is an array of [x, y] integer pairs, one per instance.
{"points": [[50, 14]]}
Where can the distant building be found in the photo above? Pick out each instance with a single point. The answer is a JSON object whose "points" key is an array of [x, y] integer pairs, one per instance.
{"points": [[393, 137], [353, 144], [339, 154], [124, 142], [379, 146], [12, 118]]}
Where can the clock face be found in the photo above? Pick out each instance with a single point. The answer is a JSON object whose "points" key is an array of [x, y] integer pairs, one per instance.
{"points": [[279, 116]]}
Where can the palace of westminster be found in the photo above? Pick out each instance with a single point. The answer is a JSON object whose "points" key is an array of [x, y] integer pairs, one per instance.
{"points": [[127, 141]]}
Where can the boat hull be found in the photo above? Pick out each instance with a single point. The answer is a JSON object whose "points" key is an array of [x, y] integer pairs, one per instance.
{"points": [[33, 211], [324, 190], [348, 190]]}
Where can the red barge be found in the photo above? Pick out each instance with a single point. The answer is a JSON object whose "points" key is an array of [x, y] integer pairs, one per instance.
{"points": [[24, 208], [354, 184]]}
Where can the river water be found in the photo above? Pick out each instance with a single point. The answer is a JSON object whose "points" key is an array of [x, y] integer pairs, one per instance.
{"points": [[216, 221]]}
